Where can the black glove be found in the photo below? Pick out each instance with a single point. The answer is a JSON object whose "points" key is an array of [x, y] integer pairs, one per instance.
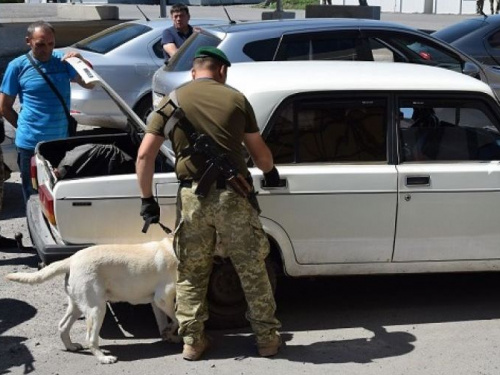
{"points": [[150, 210], [272, 178]]}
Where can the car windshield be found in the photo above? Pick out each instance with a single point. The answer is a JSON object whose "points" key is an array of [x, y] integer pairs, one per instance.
{"points": [[109, 39], [454, 32], [183, 59]]}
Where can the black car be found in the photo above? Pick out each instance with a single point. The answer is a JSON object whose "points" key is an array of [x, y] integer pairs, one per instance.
{"points": [[478, 37], [319, 39]]}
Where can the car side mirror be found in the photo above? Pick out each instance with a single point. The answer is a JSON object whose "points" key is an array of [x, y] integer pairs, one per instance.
{"points": [[471, 69]]}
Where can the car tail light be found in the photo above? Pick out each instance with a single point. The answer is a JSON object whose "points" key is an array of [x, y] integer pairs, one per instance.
{"points": [[425, 55], [33, 173], [47, 203]]}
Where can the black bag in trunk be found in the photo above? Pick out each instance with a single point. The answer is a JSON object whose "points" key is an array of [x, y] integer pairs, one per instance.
{"points": [[92, 160]]}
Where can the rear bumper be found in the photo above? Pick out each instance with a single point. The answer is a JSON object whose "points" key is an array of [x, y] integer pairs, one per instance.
{"points": [[48, 249]]}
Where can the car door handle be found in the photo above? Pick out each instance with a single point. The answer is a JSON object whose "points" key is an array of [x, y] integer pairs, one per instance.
{"points": [[283, 183], [418, 181]]}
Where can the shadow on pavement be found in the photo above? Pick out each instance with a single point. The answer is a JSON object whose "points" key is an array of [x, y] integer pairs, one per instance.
{"points": [[13, 206], [13, 351]]}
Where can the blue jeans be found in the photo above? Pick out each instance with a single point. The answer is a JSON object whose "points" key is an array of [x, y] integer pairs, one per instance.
{"points": [[24, 163]]}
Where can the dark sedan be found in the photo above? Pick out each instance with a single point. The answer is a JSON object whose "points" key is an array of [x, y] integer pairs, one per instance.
{"points": [[478, 37]]}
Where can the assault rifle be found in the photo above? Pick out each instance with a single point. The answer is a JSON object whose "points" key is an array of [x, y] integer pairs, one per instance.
{"points": [[218, 165]]}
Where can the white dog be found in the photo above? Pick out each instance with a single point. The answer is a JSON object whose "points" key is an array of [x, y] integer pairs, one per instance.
{"points": [[138, 274]]}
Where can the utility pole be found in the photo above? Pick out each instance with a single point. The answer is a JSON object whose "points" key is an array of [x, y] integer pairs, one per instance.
{"points": [[163, 8]]}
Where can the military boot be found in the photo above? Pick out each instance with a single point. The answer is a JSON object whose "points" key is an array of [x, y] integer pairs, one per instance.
{"points": [[195, 351], [270, 348]]}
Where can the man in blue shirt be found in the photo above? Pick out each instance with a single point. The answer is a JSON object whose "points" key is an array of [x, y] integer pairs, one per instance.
{"points": [[173, 37], [42, 116]]}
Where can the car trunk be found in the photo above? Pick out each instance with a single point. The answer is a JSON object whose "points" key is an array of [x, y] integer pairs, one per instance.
{"points": [[55, 154]]}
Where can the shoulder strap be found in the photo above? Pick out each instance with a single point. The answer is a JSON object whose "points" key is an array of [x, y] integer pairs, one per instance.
{"points": [[51, 85], [178, 118]]}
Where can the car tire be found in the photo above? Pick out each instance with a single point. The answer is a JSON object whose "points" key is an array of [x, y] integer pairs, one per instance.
{"points": [[226, 301], [144, 107]]}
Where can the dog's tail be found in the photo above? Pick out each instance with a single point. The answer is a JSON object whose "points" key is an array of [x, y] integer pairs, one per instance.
{"points": [[42, 275]]}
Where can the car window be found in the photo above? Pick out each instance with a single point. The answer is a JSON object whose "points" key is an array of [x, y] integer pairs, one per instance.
{"points": [[381, 52], [183, 58], [418, 50], [322, 46], [158, 49], [320, 130], [433, 130], [109, 39], [261, 50]]}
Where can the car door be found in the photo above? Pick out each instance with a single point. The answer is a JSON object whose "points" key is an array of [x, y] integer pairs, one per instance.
{"points": [[448, 178], [338, 203]]}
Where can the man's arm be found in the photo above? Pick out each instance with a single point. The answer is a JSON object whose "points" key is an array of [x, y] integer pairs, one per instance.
{"points": [[145, 163], [259, 152], [7, 109], [170, 48]]}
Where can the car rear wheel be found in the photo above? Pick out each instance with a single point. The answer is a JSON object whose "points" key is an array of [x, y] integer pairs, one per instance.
{"points": [[226, 300], [144, 107]]}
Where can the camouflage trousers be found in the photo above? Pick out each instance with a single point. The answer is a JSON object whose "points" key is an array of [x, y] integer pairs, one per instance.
{"points": [[225, 220]]}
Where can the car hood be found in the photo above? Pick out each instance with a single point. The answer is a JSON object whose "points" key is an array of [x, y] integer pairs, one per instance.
{"points": [[134, 123]]}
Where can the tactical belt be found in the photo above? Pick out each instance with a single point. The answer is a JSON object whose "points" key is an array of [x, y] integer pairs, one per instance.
{"points": [[220, 183]]}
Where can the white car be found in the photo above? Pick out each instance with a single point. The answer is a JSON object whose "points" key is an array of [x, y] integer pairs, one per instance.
{"points": [[386, 168]]}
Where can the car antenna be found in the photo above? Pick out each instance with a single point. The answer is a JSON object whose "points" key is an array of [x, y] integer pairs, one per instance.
{"points": [[144, 14], [227, 14]]}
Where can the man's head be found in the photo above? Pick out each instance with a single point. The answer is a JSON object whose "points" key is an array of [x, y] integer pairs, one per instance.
{"points": [[210, 62], [180, 17], [41, 39]]}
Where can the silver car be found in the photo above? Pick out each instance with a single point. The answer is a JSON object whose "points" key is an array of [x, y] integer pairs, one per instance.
{"points": [[126, 56], [320, 39]]}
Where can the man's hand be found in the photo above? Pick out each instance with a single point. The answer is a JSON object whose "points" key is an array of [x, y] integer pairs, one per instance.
{"points": [[76, 54], [150, 210], [272, 178]]}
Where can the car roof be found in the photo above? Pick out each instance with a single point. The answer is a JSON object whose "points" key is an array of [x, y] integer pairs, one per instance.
{"points": [[268, 83], [163, 23], [350, 75], [305, 23]]}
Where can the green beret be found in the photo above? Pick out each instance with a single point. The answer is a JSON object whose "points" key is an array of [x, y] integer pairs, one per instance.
{"points": [[214, 53]]}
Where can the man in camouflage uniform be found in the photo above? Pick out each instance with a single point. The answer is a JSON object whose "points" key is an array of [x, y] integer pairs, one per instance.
{"points": [[223, 216]]}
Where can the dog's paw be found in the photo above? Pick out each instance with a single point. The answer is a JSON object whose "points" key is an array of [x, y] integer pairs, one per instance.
{"points": [[74, 347], [107, 359]]}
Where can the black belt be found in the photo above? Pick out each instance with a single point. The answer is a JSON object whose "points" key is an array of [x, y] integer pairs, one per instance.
{"points": [[220, 183]]}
